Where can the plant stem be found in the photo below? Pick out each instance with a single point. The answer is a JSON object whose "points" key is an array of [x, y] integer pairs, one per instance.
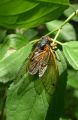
{"points": [[56, 36], [66, 21]]}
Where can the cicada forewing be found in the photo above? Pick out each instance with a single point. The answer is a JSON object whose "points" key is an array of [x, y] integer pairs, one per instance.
{"points": [[50, 78]]}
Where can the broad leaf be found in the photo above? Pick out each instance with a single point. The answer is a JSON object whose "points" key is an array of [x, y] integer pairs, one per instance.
{"points": [[16, 7], [30, 13], [27, 104], [70, 50]]}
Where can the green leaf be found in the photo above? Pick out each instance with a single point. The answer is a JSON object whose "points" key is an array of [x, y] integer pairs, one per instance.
{"points": [[26, 105], [70, 50], [67, 32], [30, 13], [10, 65], [42, 19], [70, 10]]}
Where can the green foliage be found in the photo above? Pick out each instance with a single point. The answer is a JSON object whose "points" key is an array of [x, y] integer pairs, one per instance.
{"points": [[30, 13], [29, 97], [70, 50], [31, 105]]}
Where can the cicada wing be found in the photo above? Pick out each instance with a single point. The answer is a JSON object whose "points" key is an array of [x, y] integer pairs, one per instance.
{"points": [[51, 76]]}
